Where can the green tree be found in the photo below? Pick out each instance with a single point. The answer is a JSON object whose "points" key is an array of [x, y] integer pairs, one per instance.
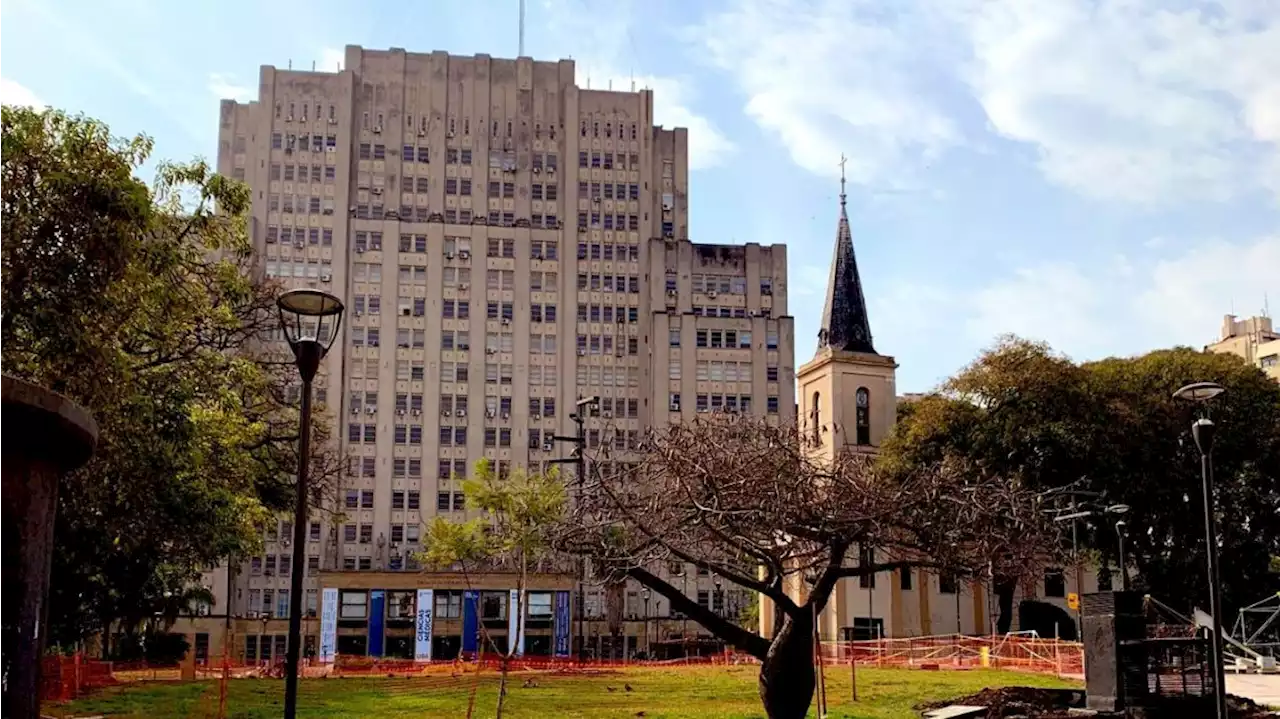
{"points": [[1113, 426], [521, 517], [137, 302]]}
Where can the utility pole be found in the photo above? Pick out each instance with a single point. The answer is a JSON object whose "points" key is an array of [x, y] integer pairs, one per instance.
{"points": [[579, 459]]}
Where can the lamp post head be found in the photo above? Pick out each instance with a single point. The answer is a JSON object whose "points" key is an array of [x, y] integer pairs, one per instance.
{"points": [[1203, 431], [1121, 527], [1118, 509], [1199, 391], [310, 320]]}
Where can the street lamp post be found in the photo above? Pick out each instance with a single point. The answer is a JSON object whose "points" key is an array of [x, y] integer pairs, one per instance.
{"points": [[303, 314], [1202, 431], [647, 649], [1121, 532], [579, 460]]}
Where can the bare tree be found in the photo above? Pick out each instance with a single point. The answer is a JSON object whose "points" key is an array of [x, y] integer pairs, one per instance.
{"points": [[755, 504]]}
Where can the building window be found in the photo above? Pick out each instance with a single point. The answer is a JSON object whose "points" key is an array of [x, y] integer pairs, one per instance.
{"points": [[1055, 583], [947, 583], [862, 417], [904, 579]]}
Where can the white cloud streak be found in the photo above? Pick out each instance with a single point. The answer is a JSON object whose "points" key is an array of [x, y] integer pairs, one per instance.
{"points": [[1137, 101], [12, 93]]}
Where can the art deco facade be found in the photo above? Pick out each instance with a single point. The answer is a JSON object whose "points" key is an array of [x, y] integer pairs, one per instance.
{"points": [[506, 243]]}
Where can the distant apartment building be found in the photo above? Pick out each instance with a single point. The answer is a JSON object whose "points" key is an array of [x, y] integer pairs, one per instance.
{"points": [[1254, 339], [506, 243]]}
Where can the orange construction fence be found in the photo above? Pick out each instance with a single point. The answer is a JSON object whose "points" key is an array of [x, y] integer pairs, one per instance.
{"points": [[68, 677]]}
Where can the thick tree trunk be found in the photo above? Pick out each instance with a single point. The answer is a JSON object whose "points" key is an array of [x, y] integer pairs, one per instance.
{"points": [[1005, 588], [787, 676]]}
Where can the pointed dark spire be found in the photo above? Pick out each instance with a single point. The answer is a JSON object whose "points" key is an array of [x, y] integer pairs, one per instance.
{"points": [[845, 325]]}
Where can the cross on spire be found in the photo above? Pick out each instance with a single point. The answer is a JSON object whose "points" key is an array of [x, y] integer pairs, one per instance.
{"points": [[843, 160]]}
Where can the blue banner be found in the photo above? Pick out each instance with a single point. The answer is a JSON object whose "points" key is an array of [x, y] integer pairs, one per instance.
{"points": [[561, 623], [470, 622], [377, 615]]}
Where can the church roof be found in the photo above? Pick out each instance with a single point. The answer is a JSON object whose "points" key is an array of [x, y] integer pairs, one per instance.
{"points": [[845, 325]]}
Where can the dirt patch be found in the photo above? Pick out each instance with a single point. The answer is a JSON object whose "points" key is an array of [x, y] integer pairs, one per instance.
{"points": [[1032, 703]]}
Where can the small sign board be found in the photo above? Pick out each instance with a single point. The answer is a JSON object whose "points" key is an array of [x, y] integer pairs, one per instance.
{"points": [[1073, 601]]}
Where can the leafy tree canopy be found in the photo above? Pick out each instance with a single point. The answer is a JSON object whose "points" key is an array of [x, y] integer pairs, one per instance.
{"points": [[1113, 426], [137, 303]]}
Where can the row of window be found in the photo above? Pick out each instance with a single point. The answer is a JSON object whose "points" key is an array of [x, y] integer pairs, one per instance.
{"points": [[303, 142], [722, 403], [605, 345], [608, 252], [607, 160], [322, 270], [302, 173], [608, 314], [606, 376], [721, 371], [608, 221]]}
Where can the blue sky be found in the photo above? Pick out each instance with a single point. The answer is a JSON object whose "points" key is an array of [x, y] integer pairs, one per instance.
{"points": [[1100, 174]]}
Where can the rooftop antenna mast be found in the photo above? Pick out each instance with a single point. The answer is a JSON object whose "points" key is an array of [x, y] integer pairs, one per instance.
{"points": [[521, 52]]}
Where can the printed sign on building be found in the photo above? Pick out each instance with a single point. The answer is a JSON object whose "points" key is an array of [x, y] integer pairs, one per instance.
{"points": [[422, 625], [561, 622], [328, 624]]}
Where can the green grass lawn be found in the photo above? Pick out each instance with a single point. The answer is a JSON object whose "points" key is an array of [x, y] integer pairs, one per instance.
{"points": [[702, 692]]}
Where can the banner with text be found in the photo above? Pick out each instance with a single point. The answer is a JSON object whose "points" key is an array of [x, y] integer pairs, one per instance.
{"points": [[561, 622], [422, 637], [470, 622], [328, 624], [515, 637], [377, 618]]}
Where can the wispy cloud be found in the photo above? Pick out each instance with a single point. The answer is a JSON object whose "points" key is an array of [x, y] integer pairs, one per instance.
{"points": [[1136, 101], [224, 87], [12, 93], [593, 40]]}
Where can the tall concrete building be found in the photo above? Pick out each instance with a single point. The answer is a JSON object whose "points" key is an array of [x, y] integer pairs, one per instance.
{"points": [[1254, 339], [506, 243]]}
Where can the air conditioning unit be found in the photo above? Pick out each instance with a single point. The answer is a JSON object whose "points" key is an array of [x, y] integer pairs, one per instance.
{"points": [[551, 170], [445, 413], [505, 322], [355, 410], [448, 255], [449, 134], [417, 413], [712, 294], [535, 415], [490, 351], [288, 118], [299, 244], [548, 447], [400, 412], [376, 190], [326, 277], [672, 293], [422, 133], [377, 129], [359, 250], [462, 413], [359, 313], [370, 410], [506, 415], [595, 198], [537, 170], [582, 353], [674, 408], [464, 255], [489, 413], [464, 286], [333, 121]]}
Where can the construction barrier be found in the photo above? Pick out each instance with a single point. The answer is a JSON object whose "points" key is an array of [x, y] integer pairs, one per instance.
{"points": [[68, 677]]}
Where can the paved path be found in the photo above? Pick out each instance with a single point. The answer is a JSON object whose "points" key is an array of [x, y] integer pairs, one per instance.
{"points": [[1262, 688]]}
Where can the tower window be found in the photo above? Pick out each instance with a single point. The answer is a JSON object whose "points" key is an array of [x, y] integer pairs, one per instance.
{"points": [[863, 418]]}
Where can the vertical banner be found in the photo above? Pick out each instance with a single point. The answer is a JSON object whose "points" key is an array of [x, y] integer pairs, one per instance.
{"points": [[328, 624], [377, 618], [515, 628], [470, 621], [422, 626], [560, 623]]}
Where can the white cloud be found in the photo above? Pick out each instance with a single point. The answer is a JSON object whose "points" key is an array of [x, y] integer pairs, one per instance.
{"points": [[1088, 311], [830, 78], [331, 59], [1132, 100], [595, 42], [12, 93], [224, 87]]}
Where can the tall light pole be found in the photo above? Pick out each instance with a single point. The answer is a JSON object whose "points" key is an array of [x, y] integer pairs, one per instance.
{"points": [[303, 314], [1202, 431], [1122, 530], [579, 460], [647, 649]]}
